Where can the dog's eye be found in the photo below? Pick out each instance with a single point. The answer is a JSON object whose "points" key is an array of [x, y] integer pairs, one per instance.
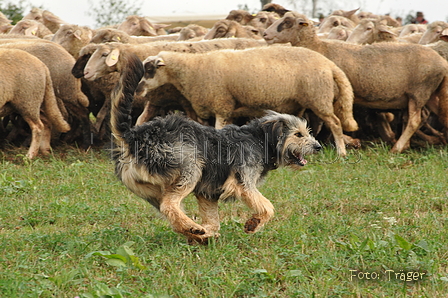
{"points": [[298, 134]]}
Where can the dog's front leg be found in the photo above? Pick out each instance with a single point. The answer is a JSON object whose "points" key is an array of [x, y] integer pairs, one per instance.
{"points": [[263, 208], [181, 223]]}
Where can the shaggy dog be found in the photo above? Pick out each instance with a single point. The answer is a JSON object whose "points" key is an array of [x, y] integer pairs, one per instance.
{"points": [[168, 158]]}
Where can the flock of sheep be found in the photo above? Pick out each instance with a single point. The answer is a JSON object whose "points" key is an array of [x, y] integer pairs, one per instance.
{"points": [[355, 72]]}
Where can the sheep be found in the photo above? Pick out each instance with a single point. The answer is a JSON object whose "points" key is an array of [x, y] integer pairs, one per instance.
{"points": [[240, 16], [140, 26], [381, 75], [226, 28], [411, 29], [144, 50], [259, 78], [339, 33], [274, 7], [66, 88], [26, 88], [45, 17], [441, 46], [73, 38], [114, 35], [349, 14], [5, 23], [192, 31], [30, 28], [369, 31], [334, 21], [433, 32], [263, 19]]}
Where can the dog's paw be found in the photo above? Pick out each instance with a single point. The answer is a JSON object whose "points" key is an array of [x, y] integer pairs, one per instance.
{"points": [[197, 231], [202, 239], [252, 225]]}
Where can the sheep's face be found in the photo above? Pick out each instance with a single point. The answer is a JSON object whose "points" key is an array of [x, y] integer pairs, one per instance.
{"points": [[137, 26], [433, 32], [363, 33], [102, 62], [285, 29], [223, 28], [154, 77]]}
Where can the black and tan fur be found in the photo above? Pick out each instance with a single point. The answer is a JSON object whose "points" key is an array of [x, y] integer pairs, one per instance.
{"points": [[166, 159]]}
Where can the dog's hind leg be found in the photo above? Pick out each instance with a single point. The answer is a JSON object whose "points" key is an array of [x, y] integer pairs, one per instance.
{"points": [[208, 210], [264, 210], [181, 223]]}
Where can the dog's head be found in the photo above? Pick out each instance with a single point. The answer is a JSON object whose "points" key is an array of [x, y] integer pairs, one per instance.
{"points": [[291, 138]]}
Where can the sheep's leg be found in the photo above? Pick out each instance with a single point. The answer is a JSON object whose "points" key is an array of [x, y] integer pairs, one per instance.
{"points": [[222, 121], [384, 129], [208, 210], [414, 120], [264, 210], [36, 127], [334, 124], [45, 141], [170, 207]]}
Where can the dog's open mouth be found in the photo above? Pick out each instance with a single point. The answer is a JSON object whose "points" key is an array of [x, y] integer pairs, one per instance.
{"points": [[300, 160]]}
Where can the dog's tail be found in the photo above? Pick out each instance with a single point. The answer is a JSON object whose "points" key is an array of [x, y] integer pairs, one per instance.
{"points": [[123, 95], [343, 105]]}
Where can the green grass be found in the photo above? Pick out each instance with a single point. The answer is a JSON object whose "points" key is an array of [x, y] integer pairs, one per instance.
{"points": [[69, 228]]}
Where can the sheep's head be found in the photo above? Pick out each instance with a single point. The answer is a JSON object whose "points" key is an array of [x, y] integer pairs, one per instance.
{"points": [[222, 28], [102, 62], [433, 32], [369, 31], [154, 75], [335, 21], [110, 35], [287, 29], [137, 26], [240, 16]]}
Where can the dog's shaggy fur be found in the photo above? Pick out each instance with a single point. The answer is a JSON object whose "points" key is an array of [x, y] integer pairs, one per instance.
{"points": [[166, 159]]}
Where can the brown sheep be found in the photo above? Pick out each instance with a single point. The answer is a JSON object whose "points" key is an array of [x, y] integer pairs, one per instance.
{"points": [[143, 51], [226, 28], [26, 88], [381, 74], [192, 31], [260, 78], [349, 14], [73, 38], [369, 31], [335, 21], [274, 7], [114, 35], [45, 17], [31, 28], [141, 26], [66, 88], [240, 16], [339, 33]]}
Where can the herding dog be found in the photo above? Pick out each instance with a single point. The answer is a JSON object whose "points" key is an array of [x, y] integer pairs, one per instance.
{"points": [[166, 159]]}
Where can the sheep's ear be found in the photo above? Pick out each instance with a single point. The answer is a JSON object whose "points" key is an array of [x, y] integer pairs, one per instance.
{"points": [[112, 58], [77, 34], [32, 31], [160, 62], [303, 23], [231, 32]]}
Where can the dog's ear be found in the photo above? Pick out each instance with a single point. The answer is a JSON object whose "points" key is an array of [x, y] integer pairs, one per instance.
{"points": [[274, 129]]}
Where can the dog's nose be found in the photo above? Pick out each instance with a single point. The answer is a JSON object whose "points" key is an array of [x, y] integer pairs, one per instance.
{"points": [[317, 147]]}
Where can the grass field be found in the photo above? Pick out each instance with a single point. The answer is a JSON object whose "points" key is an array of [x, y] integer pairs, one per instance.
{"points": [[68, 228]]}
